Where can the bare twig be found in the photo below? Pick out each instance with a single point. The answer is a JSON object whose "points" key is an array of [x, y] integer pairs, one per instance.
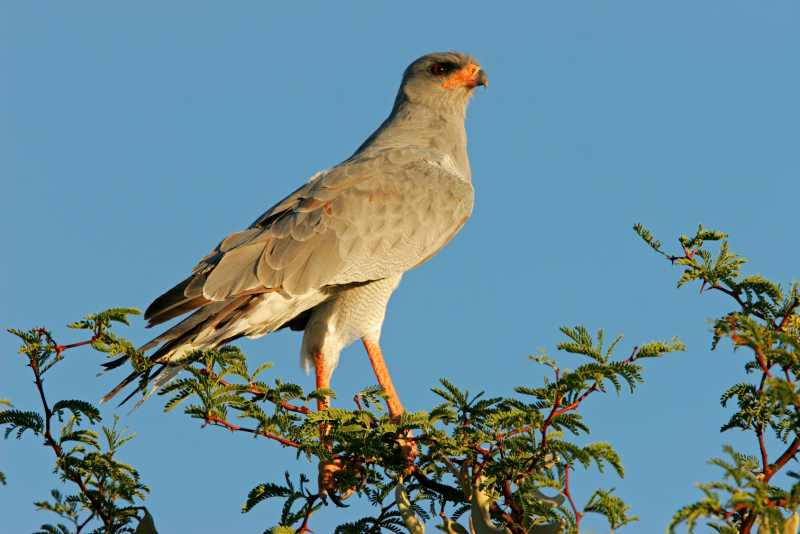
{"points": [[309, 509], [218, 421], [568, 495]]}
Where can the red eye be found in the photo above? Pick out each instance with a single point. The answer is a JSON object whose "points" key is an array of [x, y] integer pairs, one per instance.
{"points": [[438, 69]]}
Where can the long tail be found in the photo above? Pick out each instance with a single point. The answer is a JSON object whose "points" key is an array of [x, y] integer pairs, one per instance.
{"points": [[211, 326], [201, 330]]}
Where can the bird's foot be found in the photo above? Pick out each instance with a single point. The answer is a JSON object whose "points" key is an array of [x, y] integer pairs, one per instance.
{"points": [[332, 474], [408, 446]]}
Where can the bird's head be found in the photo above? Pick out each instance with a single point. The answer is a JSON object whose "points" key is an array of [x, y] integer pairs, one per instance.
{"points": [[442, 79]]}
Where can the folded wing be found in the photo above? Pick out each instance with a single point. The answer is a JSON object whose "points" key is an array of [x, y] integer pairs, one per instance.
{"points": [[363, 220]]}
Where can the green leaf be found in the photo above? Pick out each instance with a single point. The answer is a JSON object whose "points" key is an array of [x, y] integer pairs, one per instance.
{"points": [[648, 238], [263, 492], [21, 421], [78, 408]]}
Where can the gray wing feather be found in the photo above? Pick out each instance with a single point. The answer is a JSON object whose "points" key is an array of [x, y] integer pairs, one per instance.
{"points": [[235, 273], [362, 220]]}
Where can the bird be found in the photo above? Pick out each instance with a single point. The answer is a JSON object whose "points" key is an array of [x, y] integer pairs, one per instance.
{"points": [[326, 259]]}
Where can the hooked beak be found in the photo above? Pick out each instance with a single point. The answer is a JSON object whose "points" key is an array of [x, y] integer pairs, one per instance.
{"points": [[482, 79], [470, 77]]}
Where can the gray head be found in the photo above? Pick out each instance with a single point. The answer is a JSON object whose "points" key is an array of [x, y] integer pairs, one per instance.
{"points": [[431, 104], [441, 80]]}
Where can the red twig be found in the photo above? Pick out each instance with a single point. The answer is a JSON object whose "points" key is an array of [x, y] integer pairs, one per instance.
{"points": [[783, 459], [259, 393], [558, 409], [309, 510], [294, 408], [61, 348], [97, 506], [218, 421], [579, 400], [762, 447], [552, 414], [506, 518], [568, 495]]}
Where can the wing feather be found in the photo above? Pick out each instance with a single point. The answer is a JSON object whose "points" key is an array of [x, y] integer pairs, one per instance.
{"points": [[235, 273], [363, 220]]}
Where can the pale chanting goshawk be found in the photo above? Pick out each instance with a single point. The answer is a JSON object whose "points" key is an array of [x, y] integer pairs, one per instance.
{"points": [[327, 258]]}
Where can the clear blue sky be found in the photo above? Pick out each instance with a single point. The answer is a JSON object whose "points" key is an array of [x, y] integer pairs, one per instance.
{"points": [[133, 137]]}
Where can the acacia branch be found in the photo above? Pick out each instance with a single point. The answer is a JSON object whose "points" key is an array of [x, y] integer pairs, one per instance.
{"points": [[218, 421], [97, 507], [309, 509], [81, 526], [258, 393], [736, 295], [568, 495], [61, 348], [783, 459]]}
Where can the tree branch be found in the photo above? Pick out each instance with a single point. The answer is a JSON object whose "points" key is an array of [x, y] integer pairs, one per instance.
{"points": [[568, 495], [218, 421], [97, 506]]}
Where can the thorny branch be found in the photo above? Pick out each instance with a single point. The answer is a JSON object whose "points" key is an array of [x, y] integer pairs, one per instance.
{"points": [[568, 494], [760, 347], [258, 393], [218, 421], [97, 505]]}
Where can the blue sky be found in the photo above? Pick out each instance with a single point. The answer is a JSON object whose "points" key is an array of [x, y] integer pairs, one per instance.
{"points": [[133, 137]]}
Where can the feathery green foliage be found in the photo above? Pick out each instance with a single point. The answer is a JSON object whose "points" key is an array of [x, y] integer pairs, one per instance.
{"points": [[764, 321], [506, 459], [504, 463], [107, 491]]}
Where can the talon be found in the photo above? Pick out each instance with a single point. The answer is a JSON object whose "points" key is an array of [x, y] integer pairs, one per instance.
{"points": [[327, 483], [408, 446], [338, 502]]}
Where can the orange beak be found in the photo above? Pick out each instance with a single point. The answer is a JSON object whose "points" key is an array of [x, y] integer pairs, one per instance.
{"points": [[470, 77]]}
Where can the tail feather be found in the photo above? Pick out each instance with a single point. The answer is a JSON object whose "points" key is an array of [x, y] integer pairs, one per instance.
{"points": [[177, 342], [160, 378], [185, 326], [209, 327], [119, 387], [173, 303]]}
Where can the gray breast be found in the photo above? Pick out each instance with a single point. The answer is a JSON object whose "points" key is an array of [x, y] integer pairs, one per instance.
{"points": [[355, 312]]}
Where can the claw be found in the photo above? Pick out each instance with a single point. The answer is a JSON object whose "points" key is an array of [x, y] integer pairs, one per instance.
{"points": [[408, 446], [327, 483]]}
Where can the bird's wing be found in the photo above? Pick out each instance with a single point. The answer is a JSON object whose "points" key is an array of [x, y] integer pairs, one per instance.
{"points": [[362, 220]]}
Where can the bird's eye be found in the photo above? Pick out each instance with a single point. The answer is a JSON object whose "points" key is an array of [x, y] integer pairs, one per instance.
{"points": [[440, 69]]}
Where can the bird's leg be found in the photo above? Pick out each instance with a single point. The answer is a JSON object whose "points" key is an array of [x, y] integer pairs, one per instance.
{"points": [[382, 374], [327, 469], [396, 409], [323, 378], [323, 381]]}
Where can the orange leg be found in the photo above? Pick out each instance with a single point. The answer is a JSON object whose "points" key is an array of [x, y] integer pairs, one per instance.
{"points": [[385, 381], [396, 409], [327, 470], [323, 378]]}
